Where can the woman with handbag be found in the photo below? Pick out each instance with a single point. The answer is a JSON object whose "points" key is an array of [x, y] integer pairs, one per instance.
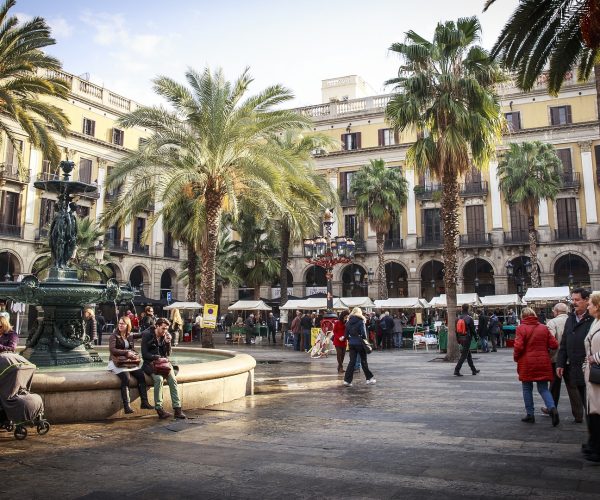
{"points": [[339, 339], [532, 343], [591, 369], [156, 348], [356, 333], [125, 361]]}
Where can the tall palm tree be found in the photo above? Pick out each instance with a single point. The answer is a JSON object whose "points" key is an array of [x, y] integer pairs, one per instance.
{"points": [[215, 143], [445, 91], [26, 75], [528, 173], [380, 194], [84, 259], [305, 194], [562, 33]]}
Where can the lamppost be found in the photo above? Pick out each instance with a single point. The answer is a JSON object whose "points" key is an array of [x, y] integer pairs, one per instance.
{"points": [[519, 279], [327, 252]]}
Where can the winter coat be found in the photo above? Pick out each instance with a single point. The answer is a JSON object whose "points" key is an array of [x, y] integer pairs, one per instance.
{"points": [[557, 327], [592, 347], [531, 351], [339, 330], [482, 326], [572, 348], [355, 331]]}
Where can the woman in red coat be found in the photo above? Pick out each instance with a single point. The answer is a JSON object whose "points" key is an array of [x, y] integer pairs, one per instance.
{"points": [[339, 340], [532, 343]]}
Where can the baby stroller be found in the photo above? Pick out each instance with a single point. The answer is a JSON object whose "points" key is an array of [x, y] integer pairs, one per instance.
{"points": [[19, 408]]}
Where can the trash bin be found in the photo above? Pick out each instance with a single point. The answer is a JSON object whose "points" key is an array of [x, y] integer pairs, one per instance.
{"points": [[443, 339], [187, 336]]}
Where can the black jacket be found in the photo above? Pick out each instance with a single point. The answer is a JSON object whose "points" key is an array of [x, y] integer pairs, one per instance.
{"points": [[153, 348], [571, 354], [482, 326], [306, 322], [470, 324], [355, 331]]}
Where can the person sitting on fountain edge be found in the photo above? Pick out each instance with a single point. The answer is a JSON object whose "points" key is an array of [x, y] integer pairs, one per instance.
{"points": [[8, 337], [156, 344]]}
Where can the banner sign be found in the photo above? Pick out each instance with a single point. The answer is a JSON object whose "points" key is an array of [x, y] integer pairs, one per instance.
{"points": [[209, 319]]}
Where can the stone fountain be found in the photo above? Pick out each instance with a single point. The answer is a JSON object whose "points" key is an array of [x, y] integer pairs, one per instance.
{"points": [[58, 336]]}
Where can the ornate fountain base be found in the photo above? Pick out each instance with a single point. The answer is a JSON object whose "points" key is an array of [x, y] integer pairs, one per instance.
{"points": [[58, 338]]}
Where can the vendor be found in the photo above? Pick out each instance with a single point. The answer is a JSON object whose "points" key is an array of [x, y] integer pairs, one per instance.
{"points": [[8, 337]]}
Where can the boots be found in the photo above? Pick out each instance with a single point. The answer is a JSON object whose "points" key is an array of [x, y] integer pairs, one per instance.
{"points": [[125, 397], [162, 414], [179, 413], [143, 390]]}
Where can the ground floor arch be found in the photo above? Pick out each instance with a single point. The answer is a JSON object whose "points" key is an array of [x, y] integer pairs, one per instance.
{"points": [[572, 270], [139, 276], [432, 279], [10, 266], [168, 283], [478, 277], [396, 280]]}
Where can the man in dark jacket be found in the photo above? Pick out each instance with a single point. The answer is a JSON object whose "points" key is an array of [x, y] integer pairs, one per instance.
{"points": [[465, 342], [249, 326], [156, 344], [482, 330], [387, 330], [571, 353], [305, 325], [271, 326]]}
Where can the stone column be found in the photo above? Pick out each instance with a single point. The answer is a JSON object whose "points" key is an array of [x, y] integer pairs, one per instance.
{"points": [[411, 213], [589, 190], [547, 279], [544, 224], [414, 287], [102, 163], [332, 175], [31, 195], [595, 280], [495, 196], [501, 284]]}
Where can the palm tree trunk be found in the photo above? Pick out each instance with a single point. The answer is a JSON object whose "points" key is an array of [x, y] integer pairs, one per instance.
{"points": [[383, 291], [192, 268], [209, 254], [449, 214], [285, 249], [535, 275]]}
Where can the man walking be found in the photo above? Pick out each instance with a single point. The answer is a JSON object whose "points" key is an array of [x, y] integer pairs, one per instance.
{"points": [[306, 324], [387, 330], [571, 353], [494, 331], [482, 331], [465, 331], [557, 326]]}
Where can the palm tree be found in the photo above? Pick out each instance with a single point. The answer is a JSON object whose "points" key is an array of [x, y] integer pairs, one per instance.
{"points": [[84, 259], [26, 78], [380, 194], [528, 173], [214, 146], [445, 91], [562, 33], [305, 193]]}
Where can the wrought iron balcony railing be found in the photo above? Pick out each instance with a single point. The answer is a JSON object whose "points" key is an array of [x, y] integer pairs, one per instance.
{"points": [[516, 237], [347, 200], [475, 240], [141, 249], [474, 189], [571, 180], [11, 172], [41, 233], [430, 242], [172, 253], [361, 245], [427, 191], [393, 244], [11, 230], [117, 246], [568, 234]]}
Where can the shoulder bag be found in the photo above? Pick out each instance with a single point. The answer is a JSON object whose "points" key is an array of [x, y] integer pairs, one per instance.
{"points": [[128, 362], [162, 366], [594, 377], [368, 347]]}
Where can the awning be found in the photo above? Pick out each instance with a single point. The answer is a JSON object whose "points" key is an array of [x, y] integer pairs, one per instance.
{"points": [[501, 300], [249, 305], [401, 303], [547, 294], [184, 306], [461, 298], [352, 302]]}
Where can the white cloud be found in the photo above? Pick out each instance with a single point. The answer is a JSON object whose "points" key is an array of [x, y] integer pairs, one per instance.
{"points": [[61, 28]]}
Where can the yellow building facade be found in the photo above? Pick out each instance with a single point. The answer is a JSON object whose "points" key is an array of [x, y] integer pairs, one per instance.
{"points": [[95, 143]]}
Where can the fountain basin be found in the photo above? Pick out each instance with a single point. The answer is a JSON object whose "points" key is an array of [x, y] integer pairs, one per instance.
{"points": [[84, 395]]}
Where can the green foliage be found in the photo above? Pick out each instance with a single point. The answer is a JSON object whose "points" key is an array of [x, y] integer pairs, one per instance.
{"points": [[84, 260], [530, 172], [380, 194], [551, 33], [26, 77]]}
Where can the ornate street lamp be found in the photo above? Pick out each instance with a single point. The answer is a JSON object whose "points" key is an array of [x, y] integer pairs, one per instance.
{"points": [[325, 252]]}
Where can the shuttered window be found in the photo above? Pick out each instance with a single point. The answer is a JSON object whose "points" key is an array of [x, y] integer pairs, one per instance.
{"points": [[9, 215], [513, 120], [518, 221], [85, 170], [560, 115], [345, 182], [475, 220], [46, 212], [351, 141], [89, 127], [432, 227], [565, 158], [387, 137], [350, 226], [566, 218]]}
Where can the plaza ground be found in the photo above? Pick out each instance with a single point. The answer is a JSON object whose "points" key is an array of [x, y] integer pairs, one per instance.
{"points": [[418, 433]]}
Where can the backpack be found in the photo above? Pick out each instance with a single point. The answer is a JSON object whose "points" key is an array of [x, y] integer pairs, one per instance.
{"points": [[461, 326]]}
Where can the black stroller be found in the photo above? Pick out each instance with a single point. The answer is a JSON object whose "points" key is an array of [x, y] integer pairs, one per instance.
{"points": [[19, 408]]}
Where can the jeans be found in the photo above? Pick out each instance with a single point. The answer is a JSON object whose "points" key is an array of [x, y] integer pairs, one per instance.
{"points": [[271, 334], [355, 351], [542, 388], [387, 339], [158, 390], [306, 338], [397, 339], [297, 338], [484, 344]]}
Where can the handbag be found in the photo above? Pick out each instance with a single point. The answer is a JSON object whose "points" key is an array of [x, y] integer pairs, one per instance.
{"points": [[368, 347], [594, 374], [162, 366], [127, 362]]}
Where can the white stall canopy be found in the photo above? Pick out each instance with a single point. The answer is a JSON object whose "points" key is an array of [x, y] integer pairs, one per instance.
{"points": [[401, 303], [547, 294], [184, 306], [461, 298], [249, 305], [501, 300], [351, 302]]}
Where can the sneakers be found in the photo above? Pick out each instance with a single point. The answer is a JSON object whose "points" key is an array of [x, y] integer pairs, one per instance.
{"points": [[371, 381], [347, 384]]}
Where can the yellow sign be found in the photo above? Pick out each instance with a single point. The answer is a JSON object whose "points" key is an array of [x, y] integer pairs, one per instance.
{"points": [[210, 316], [314, 332]]}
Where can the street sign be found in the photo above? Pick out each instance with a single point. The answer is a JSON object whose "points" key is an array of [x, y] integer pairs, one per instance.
{"points": [[169, 297], [209, 319]]}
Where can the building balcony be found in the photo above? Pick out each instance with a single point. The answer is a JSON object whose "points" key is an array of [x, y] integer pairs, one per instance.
{"points": [[571, 180], [10, 172], [41, 233], [475, 240], [435, 242], [427, 191], [172, 253], [140, 249], [361, 245], [116, 246], [516, 237], [48, 176], [110, 196], [568, 234], [474, 189], [393, 244], [94, 195], [346, 200], [11, 230]]}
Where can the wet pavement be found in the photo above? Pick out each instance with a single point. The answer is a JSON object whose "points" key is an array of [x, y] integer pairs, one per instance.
{"points": [[418, 433]]}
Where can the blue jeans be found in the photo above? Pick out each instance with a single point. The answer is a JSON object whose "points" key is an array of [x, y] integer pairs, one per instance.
{"points": [[306, 337], [542, 388], [397, 339], [297, 337]]}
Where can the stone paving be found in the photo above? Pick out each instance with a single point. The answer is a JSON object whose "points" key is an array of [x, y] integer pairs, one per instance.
{"points": [[418, 433]]}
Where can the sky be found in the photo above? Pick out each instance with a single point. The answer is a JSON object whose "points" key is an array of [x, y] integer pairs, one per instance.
{"points": [[122, 45]]}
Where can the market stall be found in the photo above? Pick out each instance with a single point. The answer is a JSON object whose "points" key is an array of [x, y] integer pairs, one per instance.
{"points": [[547, 294], [249, 306]]}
